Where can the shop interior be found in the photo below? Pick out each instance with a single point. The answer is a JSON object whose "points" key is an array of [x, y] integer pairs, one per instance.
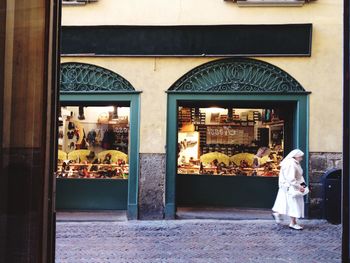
{"points": [[222, 143], [93, 142]]}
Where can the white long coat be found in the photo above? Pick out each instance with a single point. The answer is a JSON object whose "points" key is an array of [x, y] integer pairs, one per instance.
{"points": [[291, 175]]}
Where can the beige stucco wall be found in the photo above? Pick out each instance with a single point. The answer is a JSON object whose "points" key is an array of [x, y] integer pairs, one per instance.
{"points": [[321, 73]]}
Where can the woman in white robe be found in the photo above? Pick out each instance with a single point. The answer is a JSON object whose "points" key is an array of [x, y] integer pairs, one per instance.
{"points": [[291, 175]]}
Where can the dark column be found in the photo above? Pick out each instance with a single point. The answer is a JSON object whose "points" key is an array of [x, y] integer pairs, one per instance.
{"points": [[346, 141], [28, 66]]}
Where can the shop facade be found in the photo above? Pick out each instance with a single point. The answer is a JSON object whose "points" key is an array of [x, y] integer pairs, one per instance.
{"points": [[98, 141], [221, 110], [211, 153]]}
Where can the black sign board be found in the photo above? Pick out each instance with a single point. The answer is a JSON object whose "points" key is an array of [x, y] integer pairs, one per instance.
{"points": [[211, 40]]}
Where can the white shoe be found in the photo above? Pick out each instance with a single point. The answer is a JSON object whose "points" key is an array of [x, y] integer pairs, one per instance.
{"points": [[295, 227], [278, 218]]}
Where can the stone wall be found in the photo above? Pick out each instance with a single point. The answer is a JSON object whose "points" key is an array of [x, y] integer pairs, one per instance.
{"points": [[151, 186], [319, 163]]}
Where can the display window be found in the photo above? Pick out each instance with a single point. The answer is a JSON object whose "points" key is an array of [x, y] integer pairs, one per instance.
{"points": [[232, 141], [93, 142]]}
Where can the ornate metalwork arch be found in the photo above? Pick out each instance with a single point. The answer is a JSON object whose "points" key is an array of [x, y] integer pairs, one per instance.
{"points": [[242, 75], [81, 77]]}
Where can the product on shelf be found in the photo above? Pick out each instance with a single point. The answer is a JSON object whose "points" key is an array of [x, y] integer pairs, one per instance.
{"points": [[93, 142], [229, 141], [96, 169]]}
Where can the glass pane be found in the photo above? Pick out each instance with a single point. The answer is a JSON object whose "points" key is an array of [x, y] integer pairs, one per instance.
{"points": [[230, 141], [93, 142], [27, 105]]}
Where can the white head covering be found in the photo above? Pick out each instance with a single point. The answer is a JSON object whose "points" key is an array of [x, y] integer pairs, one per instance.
{"points": [[291, 155]]}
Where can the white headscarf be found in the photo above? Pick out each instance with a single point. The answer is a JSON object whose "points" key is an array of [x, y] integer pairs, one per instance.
{"points": [[291, 155]]}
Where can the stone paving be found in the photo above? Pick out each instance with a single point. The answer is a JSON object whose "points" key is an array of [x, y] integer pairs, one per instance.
{"points": [[197, 241]]}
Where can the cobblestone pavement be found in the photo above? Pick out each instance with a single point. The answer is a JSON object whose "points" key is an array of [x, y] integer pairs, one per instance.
{"points": [[202, 241]]}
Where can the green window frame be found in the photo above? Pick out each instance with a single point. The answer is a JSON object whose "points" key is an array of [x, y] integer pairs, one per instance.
{"points": [[90, 84], [235, 80]]}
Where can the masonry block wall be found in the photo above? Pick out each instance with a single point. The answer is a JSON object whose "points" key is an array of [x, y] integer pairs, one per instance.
{"points": [[151, 186]]}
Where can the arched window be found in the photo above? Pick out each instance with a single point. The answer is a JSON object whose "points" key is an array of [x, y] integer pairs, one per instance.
{"points": [[257, 106]]}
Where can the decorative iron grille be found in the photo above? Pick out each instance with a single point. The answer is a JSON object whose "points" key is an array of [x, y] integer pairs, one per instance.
{"points": [[80, 77], [237, 75]]}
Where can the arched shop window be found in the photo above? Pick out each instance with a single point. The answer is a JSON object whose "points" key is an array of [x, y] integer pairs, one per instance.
{"points": [[233, 118], [98, 139]]}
